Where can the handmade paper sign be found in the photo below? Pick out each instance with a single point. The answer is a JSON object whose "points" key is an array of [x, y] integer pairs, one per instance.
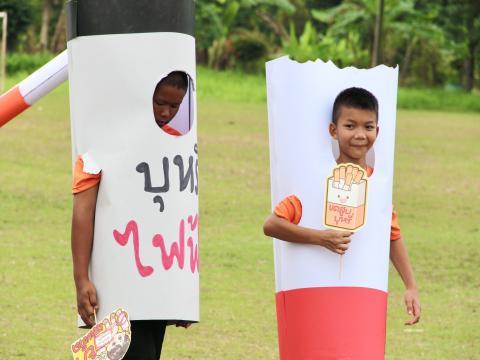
{"points": [[346, 198], [107, 340], [133, 116], [321, 315]]}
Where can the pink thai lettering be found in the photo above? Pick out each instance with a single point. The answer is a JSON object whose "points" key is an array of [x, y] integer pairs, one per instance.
{"points": [[194, 261], [122, 239], [343, 219], [341, 210], [177, 250]]}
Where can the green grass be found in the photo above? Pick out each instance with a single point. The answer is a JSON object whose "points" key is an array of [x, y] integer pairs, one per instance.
{"points": [[436, 196], [438, 99], [234, 86]]}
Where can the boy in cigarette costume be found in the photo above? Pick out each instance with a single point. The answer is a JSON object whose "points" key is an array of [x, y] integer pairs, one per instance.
{"points": [[321, 315], [135, 215]]}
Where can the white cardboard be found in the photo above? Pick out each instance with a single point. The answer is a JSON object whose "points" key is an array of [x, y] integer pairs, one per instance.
{"points": [[300, 100], [45, 79], [112, 80]]}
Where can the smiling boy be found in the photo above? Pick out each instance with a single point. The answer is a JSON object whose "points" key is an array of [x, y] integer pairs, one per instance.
{"points": [[355, 126]]}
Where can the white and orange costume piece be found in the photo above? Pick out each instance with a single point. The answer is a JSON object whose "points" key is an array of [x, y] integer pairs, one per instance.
{"points": [[34, 87]]}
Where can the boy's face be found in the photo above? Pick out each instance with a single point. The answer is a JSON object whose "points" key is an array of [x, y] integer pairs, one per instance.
{"points": [[166, 102], [356, 131]]}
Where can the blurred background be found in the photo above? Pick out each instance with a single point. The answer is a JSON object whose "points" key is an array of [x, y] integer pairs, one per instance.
{"points": [[435, 43]]}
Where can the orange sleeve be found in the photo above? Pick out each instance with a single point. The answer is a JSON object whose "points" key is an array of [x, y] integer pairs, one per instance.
{"points": [[289, 209], [369, 170], [81, 180], [395, 228], [171, 131]]}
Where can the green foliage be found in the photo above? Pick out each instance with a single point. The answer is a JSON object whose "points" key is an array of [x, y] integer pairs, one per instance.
{"points": [[26, 63], [212, 21], [284, 5], [435, 42], [250, 48], [303, 48], [20, 16], [222, 22], [411, 38], [350, 16], [460, 20], [220, 54], [310, 45], [346, 51]]}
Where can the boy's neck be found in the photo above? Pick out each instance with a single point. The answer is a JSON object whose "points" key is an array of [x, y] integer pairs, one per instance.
{"points": [[342, 159]]}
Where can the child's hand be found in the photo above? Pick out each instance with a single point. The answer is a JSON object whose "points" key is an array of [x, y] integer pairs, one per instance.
{"points": [[412, 303], [86, 301], [334, 240]]}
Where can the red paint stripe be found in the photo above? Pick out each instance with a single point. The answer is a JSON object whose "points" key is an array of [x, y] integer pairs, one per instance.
{"points": [[347, 323], [12, 103]]}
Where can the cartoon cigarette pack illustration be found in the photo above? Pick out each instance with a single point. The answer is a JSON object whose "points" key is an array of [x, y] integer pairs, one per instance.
{"points": [[346, 198], [107, 340]]}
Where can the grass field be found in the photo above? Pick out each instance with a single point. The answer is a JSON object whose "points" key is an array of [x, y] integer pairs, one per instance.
{"points": [[436, 195]]}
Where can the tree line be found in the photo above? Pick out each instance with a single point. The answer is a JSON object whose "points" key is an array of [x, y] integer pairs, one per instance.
{"points": [[436, 42]]}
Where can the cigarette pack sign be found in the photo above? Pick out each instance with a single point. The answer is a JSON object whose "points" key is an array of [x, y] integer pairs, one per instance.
{"points": [[107, 340], [346, 198]]}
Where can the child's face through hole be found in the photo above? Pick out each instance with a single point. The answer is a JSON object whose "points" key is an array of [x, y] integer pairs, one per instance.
{"points": [[356, 131], [166, 102]]}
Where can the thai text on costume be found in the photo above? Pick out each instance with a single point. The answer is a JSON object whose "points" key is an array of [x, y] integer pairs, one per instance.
{"points": [[344, 214], [187, 174], [166, 258]]}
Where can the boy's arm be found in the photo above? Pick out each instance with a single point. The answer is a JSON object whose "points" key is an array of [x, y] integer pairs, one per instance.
{"points": [[401, 261], [336, 241], [83, 220]]}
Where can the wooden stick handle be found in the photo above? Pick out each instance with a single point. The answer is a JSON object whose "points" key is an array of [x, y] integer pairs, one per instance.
{"points": [[340, 270]]}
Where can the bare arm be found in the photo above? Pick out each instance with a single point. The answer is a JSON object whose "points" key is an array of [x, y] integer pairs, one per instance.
{"points": [[401, 261], [336, 241], [83, 221]]}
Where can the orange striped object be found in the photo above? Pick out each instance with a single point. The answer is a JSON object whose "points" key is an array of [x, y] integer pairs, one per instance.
{"points": [[12, 103], [34, 87]]}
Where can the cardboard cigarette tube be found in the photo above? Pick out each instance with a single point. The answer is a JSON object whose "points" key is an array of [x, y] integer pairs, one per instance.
{"points": [[119, 50]]}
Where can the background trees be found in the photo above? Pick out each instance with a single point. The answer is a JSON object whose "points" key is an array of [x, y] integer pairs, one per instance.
{"points": [[436, 43]]}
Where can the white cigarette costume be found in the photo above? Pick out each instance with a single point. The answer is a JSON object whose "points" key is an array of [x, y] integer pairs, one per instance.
{"points": [[322, 316], [145, 249]]}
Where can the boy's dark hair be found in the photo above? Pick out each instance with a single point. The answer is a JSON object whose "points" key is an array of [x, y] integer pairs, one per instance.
{"points": [[357, 98], [178, 79]]}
